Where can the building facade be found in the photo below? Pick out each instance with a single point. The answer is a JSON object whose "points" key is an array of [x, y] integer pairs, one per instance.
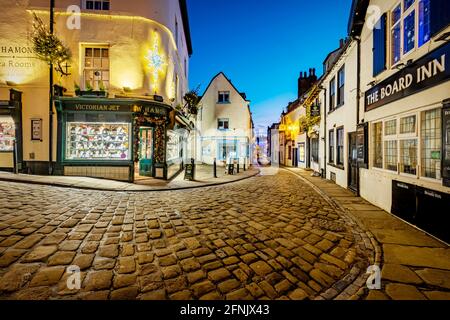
{"points": [[224, 124], [405, 84], [113, 114]]}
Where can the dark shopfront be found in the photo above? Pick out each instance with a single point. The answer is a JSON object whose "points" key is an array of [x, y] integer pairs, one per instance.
{"points": [[119, 139]]}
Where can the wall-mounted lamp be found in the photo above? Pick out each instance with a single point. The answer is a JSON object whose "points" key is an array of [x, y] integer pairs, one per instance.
{"points": [[126, 89], [11, 83], [371, 84]]}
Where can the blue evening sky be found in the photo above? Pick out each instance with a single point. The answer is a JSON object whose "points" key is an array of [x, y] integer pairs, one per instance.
{"points": [[262, 45]]}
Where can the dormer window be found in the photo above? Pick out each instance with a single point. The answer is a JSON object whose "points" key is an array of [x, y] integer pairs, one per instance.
{"points": [[224, 97]]}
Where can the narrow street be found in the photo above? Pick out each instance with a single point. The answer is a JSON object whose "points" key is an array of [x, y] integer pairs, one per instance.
{"points": [[267, 237]]}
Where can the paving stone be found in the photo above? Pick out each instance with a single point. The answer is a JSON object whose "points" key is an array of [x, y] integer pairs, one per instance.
{"points": [[127, 265], [213, 295], [124, 280], [201, 288], [189, 265], [434, 277], [298, 294], [167, 260], [261, 268], [155, 295], [219, 274], [40, 253], [334, 261], [321, 278], [83, 261], [89, 247], [181, 295], [376, 295], [17, 276], [268, 289], [98, 280], [145, 257], [128, 293], [438, 295], [399, 273], [11, 255], [61, 258], [228, 285], [47, 276], [109, 251], [399, 291], [29, 241], [69, 245], [175, 284], [171, 272], [104, 263], [240, 294]]}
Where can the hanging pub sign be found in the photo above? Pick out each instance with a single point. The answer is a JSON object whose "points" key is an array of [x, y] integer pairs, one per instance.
{"points": [[315, 110], [362, 144], [426, 72], [446, 144]]}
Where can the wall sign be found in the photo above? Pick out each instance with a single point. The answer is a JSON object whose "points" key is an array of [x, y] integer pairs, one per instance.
{"points": [[114, 106], [426, 72], [36, 129], [315, 110], [446, 144]]}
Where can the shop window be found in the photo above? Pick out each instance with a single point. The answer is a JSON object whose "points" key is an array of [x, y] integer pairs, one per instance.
{"points": [[227, 151], [408, 156], [331, 147], [224, 97], [96, 5], [96, 68], [408, 125], [390, 155], [7, 134], [377, 144], [390, 127], [173, 145], [340, 146], [223, 124], [431, 144], [341, 86], [333, 94], [98, 141]]}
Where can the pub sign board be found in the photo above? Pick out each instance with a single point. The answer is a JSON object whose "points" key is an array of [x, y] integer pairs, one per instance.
{"points": [[426, 72], [189, 173], [446, 144]]}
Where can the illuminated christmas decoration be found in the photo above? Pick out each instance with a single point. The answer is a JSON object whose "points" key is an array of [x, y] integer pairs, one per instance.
{"points": [[156, 62]]}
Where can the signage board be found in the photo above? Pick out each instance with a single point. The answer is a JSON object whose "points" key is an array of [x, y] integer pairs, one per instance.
{"points": [[426, 72], [36, 129], [189, 172]]}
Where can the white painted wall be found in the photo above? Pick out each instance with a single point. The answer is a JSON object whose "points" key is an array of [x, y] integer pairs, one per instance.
{"points": [[237, 111]]}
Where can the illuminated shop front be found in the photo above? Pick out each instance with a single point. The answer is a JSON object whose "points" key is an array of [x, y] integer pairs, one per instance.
{"points": [[121, 139]]}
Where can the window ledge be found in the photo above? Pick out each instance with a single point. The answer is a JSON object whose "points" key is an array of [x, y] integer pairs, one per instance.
{"points": [[337, 166]]}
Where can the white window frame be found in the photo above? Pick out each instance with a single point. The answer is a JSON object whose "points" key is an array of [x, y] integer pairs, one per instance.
{"points": [[83, 67], [404, 14], [223, 120], [223, 93]]}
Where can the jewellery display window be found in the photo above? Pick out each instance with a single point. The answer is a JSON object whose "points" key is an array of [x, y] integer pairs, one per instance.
{"points": [[7, 134], [98, 141]]}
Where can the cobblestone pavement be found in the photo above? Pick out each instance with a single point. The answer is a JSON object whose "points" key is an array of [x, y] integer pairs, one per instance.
{"points": [[268, 237]]}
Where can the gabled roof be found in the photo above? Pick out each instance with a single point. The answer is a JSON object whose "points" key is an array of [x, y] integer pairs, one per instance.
{"points": [[242, 94]]}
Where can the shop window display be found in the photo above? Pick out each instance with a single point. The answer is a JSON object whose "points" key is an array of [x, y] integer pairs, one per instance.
{"points": [[173, 145], [7, 134], [98, 141]]}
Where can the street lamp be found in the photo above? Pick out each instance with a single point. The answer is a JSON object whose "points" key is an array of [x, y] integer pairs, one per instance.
{"points": [[50, 122]]}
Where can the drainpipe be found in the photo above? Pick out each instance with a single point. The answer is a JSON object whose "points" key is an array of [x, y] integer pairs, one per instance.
{"points": [[358, 102], [325, 135], [50, 119]]}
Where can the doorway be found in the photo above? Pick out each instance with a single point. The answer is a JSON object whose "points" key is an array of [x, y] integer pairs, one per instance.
{"points": [[352, 162], [146, 152], [295, 157]]}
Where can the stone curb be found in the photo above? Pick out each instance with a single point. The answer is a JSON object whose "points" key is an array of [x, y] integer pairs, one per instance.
{"points": [[61, 185], [355, 283]]}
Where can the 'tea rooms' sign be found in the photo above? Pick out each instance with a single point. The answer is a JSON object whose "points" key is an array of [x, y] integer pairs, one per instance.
{"points": [[427, 72]]}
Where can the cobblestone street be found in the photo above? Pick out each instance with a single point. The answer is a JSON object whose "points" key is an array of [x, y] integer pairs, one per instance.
{"points": [[267, 237]]}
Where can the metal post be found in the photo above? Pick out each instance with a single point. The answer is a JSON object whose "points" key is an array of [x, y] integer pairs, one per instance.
{"points": [[15, 157], [245, 160], [215, 168], [238, 166], [50, 122]]}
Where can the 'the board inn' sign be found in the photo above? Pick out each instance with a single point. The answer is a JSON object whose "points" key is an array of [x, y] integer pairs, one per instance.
{"points": [[426, 72]]}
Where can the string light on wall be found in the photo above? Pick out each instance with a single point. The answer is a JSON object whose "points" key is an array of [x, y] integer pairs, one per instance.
{"points": [[156, 62]]}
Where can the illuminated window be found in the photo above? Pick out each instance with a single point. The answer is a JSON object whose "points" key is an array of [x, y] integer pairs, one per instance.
{"points": [[224, 97], [390, 155], [377, 144], [408, 156], [96, 68], [96, 5], [390, 127], [7, 133], [410, 27], [431, 144], [408, 125]]}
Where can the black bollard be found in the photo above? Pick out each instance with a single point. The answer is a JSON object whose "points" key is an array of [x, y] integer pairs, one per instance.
{"points": [[238, 167], [215, 168]]}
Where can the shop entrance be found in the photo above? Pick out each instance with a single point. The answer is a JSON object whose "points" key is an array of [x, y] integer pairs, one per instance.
{"points": [[352, 162], [146, 152]]}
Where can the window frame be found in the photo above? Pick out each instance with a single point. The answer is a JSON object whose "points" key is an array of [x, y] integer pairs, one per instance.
{"points": [[331, 147], [437, 107], [84, 68], [340, 96], [85, 7], [224, 94], [415, 7], [381, 142], [224, 120], [338, 146], [332, 94]]}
